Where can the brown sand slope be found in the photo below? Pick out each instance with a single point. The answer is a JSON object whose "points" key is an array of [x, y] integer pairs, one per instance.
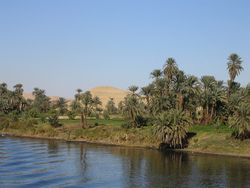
{"points": [[107, 92], [30, 96]]}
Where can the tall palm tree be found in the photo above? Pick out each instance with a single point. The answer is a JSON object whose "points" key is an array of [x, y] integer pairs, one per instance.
{"points": [[208, 83], [170, 68], [234, 68]]}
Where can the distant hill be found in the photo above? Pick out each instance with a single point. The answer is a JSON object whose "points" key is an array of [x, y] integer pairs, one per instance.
{"points": [[103, 92], [107, 92], [30, 96]]}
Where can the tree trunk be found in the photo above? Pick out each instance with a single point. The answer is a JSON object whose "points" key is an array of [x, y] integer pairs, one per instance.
{"points": [[212, 112], [82, 121]]}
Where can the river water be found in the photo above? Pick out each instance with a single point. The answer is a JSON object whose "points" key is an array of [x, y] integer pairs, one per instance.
{"points": [[45, 163]]}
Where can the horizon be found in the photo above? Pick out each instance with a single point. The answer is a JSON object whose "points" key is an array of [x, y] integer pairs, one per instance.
{"points": [[60, 46]]}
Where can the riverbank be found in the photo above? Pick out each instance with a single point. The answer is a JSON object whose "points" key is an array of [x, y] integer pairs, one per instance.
{"points": [[206, 139]]}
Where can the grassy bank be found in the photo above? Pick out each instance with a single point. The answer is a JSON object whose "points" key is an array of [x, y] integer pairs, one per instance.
{"points": [[206, 139], [210, 139], [99, 131]]}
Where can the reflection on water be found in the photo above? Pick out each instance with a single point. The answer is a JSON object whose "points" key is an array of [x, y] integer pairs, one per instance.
{"points": [[48, 163]]}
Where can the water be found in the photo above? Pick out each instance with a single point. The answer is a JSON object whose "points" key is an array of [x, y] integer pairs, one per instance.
{"points": [[46, 163]]}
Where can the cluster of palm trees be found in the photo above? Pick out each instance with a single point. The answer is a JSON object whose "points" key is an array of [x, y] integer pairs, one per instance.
{"points": [[174, 100]]}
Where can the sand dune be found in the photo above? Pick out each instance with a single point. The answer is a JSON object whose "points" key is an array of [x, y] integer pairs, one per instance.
{"points": [[107, 92], [103, 92], [30, 96]]}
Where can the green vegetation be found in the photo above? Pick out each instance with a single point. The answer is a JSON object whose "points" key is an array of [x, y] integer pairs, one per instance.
{"points": [[163, 112]]}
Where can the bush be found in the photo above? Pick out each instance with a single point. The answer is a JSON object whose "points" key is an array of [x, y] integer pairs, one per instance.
{"points": [[53, 119], [43, 118], [4, 122], [140, 121], [71, 115], [126, 125], [106, 115]]}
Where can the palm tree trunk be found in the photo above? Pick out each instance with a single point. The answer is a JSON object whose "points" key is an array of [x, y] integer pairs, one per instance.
{"points": [[82, 121], [212, 112]]}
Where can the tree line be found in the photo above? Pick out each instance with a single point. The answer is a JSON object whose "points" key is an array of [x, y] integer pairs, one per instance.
{"points": [[172, 102]]}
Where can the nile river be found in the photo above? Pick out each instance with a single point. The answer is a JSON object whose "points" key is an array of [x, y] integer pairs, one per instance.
{"points": [[45, 163]]}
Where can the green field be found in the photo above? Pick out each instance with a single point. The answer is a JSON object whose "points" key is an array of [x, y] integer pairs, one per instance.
{"points": [[114, 122]]}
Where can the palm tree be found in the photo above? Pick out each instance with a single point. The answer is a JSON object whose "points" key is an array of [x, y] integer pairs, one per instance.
{"points": [[234, 68], [133, 89], [18, 97], [208, 83], [172, 128], [156, 74], [87, 102], [170, 68], [97, 106], [240, 121], [132, 108], [110, 107], [147, 92], [61, 104]]}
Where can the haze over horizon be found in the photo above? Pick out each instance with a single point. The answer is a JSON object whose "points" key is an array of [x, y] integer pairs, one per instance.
{"points": [[60, 46]]}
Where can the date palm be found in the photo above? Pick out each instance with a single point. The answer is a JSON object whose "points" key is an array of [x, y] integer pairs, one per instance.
{"points": [[240, 121], [147, 93], [132, 108], [61, 104], [172, 128], [156, 74], [234, 67], [133, 89], [170, 68], [97, 106]]}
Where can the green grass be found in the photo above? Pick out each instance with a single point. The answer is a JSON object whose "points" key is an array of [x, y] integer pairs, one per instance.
{"points": [[217, 139], [114, 122], [210, 129]]}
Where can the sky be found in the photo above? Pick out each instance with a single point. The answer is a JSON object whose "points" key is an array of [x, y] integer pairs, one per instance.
{"points": [[62, 45]]}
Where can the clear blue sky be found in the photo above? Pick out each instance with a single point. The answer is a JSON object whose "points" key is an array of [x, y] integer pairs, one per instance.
{"points": [[61, 45]]}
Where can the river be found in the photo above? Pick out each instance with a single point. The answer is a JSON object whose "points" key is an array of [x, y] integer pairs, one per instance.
{"points": [[48, 163]]}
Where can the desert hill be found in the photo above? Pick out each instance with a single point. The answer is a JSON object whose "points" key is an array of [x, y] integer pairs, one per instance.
{"points": [[103, 92], [107, 92], [30, 96]]}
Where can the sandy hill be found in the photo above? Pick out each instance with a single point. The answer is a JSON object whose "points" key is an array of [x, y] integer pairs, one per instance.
{"points": [[107, 92], [30, 96]]}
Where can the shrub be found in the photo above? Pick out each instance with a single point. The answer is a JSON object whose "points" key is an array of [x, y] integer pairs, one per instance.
{"points": [[106, 115], [71, 115], [53, 119]]}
